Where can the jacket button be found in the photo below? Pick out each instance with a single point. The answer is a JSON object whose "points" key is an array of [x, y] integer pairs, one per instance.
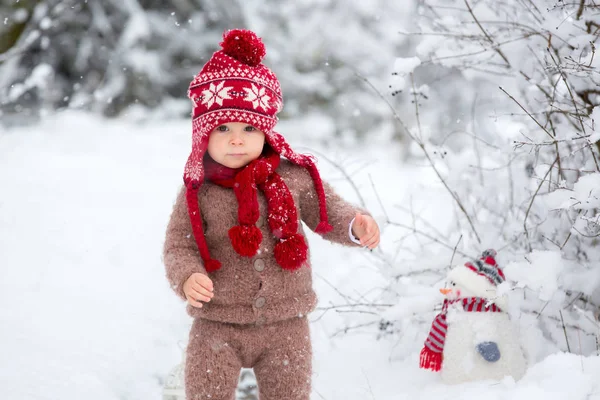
{"points": [[260, 302], [259, 264]]}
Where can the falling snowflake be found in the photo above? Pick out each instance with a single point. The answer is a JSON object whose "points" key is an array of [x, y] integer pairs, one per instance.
{"points": [[257, 97], [216, 94]]}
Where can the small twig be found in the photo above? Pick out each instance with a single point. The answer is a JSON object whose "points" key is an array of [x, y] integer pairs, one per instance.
{"points": [[550, 143], [439, 175], [387, 218], [416, 101], [580, 352], [474, 136], [349, 328], [569, 235], [356, 312], [542, 310], [564, 78], [565, 331], [475, 143], [497, 49], [533, 199], [369, 385], [419, 217], [454, 251], [528, 113], [348, 299], [345, 174], [474, 53], [354, 305], [560, 170], [444, 34], [390, 106], [580, 10], [422, 146], [428, 236]]}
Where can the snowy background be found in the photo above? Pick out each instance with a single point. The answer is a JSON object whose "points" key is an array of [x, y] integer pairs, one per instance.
{"points": [[95, 133]]}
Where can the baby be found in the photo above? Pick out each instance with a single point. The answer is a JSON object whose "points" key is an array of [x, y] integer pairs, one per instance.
{"points": [[235, 248]]}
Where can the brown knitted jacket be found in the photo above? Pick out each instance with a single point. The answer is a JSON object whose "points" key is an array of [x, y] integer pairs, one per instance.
{"points": [[250, 289]]}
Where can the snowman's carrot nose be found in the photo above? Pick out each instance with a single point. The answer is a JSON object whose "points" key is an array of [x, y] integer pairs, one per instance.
{"points": [[445, 291]]}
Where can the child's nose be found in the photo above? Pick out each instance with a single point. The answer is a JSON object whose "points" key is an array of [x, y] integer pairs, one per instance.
{"points": [[236, 138]]}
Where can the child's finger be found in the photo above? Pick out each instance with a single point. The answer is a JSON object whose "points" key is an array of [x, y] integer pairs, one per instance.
{"points": [[367, 237], [207, 287], [193, 302], [199, 296], [203, 291], [376, 241], [205, 282], [371, 242]]}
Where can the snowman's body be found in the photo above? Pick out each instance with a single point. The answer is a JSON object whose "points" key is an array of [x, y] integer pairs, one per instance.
{"points": [[462, 362]]}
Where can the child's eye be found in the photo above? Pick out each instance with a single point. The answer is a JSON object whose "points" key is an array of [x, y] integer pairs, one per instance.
{"points": [[249, 128], [222, 128]]}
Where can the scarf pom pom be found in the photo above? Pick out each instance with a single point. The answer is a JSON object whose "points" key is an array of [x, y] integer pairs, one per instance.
{"points": [[245, 239], [323, 228], [291, 252], [430, 359], [212, 265]]}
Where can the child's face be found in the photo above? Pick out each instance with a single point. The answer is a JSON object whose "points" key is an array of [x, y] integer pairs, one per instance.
{"points": [[235, 144]]}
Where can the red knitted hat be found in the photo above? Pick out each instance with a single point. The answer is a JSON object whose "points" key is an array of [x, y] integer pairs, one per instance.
{"points": [[234, 86]]}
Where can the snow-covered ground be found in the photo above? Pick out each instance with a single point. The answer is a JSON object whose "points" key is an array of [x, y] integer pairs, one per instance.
{"points": [[85, 310]]}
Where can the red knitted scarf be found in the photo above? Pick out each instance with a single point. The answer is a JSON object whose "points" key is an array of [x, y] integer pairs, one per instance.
{"points": [[291, 250], [431, 355]]}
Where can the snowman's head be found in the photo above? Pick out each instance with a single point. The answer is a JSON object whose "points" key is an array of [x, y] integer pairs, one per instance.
{"points": [[476, 279], [455, 291]]}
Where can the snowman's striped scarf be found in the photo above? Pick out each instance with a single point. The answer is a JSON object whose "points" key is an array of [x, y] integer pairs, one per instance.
{"points": [[431, 355]]}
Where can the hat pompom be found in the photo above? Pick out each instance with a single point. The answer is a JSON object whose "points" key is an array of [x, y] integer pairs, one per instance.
{"points": [[291, 253], [323, 228], [245, 239], [244, 46], [212, 265]]}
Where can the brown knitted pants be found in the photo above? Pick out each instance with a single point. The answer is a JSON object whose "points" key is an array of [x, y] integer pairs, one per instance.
{"points": [[280, 354]]}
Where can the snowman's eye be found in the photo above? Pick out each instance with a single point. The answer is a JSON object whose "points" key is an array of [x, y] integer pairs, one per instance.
{"points": [[453, 283]]}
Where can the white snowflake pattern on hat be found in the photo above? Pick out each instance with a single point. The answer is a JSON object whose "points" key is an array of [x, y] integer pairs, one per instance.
{"points": [[257, 97], [216, 94]]}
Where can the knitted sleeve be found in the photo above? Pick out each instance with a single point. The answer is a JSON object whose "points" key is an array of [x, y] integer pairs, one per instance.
{"points": [[180, 253], [339, 211]]}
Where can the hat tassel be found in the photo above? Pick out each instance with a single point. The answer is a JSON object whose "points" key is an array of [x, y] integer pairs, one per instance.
{"points": [[323, 227], [194, 210]]}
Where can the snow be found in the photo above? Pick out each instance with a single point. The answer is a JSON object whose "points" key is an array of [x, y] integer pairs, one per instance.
{"points": [[87, 312], [406, 65], [585, 194], [540, 271]]}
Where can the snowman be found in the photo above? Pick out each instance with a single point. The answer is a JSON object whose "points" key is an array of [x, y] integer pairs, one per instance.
{"points": [[472, 338]]}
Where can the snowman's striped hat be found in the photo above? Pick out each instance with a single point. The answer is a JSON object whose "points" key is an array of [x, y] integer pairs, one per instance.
{"points": [[481, 277], [486, 266]]}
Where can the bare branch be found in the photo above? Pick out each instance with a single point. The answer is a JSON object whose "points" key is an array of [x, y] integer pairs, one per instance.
{"points": [[528, 113], [488, 37], [428, 236], [533, 199]]}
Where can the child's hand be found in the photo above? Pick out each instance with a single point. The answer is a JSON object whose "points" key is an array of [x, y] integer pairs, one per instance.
{"points": [[198, 288], [365, 229]]}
